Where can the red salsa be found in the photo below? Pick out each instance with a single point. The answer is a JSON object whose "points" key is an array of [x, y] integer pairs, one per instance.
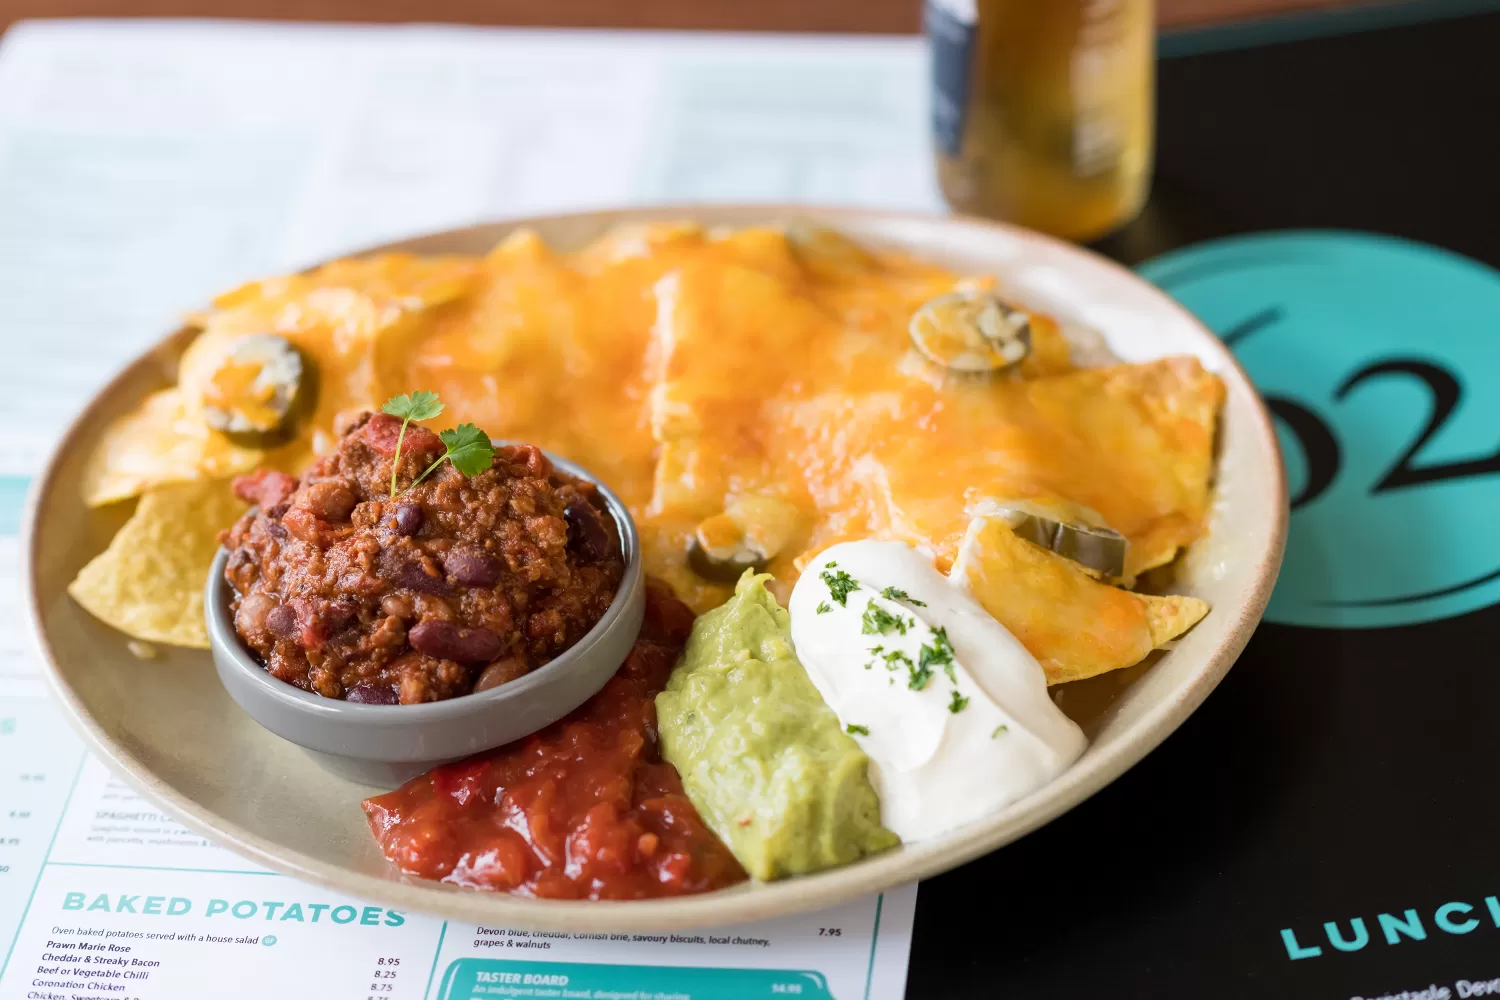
{"points": [[584, 809]]}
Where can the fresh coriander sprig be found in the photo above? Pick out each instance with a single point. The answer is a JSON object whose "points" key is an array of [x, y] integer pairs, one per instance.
{"points": [[469, 450], [419, 405], [466, 446], [855, 729]]}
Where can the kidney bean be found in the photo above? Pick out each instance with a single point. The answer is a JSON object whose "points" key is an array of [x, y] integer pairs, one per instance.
{"points": [[502, 672], [384, 430], [418, 577], [282, 620], [318, 619], [409, 570], [409, 518], [328, 500], [447, 641], [587, 534], [371, 694], [472, 566]]}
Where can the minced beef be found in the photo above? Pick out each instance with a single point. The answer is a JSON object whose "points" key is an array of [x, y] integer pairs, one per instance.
{"points": [[456, 585]]}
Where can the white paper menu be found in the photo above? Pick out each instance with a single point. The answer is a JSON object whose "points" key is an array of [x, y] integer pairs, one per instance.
{"points": [[145, 165]]}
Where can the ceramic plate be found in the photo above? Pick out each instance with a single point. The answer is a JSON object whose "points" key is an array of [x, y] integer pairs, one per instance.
{"points": [[169, 728]]}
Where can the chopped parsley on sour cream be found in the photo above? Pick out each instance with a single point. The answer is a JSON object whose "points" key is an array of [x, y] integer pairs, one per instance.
{"points": [[927, 682]]}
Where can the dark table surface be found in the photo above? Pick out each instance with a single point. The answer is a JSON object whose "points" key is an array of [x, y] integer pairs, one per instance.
{"points": [[1334, 772]]}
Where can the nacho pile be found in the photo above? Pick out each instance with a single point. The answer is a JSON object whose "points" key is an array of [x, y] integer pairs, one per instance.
{"points": [[762, 378]]}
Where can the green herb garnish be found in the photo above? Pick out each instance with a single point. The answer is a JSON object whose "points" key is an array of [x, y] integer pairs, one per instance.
{"points": [[895, 660], [1000, 730], [840, 585], [957, 703], [466, 446], [917, 676], [854, 730], [879, 621], [939, 653], [897, 594], [420, 405], [824, 608]]}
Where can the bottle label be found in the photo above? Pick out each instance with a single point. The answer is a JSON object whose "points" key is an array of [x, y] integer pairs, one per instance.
{"points": [[951, 25]]}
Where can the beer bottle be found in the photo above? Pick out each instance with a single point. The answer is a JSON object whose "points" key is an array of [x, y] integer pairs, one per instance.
{"points": [[1042, 110]]}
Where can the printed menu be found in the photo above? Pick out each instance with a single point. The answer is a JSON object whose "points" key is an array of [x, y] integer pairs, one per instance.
{"points": [[102, 894]]}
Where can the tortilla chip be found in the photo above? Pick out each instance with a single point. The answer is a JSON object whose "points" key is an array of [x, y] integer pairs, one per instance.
{"points": [[1074, 625], [1171, 615], [149, 582], [164, 441], [352, 320]]}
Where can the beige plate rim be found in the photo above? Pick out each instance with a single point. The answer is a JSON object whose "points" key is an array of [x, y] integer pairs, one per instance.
{"points": [[742, 903]]}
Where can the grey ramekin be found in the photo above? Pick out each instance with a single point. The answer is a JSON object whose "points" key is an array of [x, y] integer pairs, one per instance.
{"points": [[384, 745]]}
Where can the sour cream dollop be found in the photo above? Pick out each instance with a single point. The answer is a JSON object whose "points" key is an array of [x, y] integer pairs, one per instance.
{"points": [[951, 709]]}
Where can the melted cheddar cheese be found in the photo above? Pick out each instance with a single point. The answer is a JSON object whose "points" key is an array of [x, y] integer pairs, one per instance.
{"points": [[698, 372]]}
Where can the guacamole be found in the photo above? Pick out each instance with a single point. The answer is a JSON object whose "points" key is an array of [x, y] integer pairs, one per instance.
{"points": [[761, 756]]}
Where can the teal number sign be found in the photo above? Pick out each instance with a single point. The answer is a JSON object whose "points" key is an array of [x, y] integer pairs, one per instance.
{"points": [[1380, 360]]}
